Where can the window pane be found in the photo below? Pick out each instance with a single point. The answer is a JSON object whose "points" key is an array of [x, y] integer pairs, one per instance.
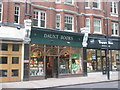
{"points": [[64, 64], [68, 1], [35, 22], [15, 19], [16, 14], [3, 73], [4, 47], [3, 60], [42, 23], [15, 60], [15, 47], [15, 72]]}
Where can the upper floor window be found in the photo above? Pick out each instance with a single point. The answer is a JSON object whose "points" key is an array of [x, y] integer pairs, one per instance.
{"points": [[0, 12], [86, 3], [97, 26], [68, 23], [87, 23], [96, 4], [16, 14], [58, 1], [115, 30], [69, 1], [114, 8], [58, 21], [39, 18]]}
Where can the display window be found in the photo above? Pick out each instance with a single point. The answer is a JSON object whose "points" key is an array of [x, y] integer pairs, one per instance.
{"points": [[36, 63], [65, 63]]}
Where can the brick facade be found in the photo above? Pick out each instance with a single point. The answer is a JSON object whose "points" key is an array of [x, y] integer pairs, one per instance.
{"points": [[77, 10]]}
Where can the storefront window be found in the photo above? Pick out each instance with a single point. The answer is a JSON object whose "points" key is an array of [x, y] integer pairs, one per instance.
{"points": [[91, 60], [76, 61], [70, 61], [36, 63], [65, 63]]}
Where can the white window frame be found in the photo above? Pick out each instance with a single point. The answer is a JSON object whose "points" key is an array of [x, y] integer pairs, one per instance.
{"points": [[72, 23], [98, 3], [88, 24], [18, 14], [98, 26], [57, 1], [65, 2], [113, 8], [1, 12], [39, 18], [87, 7], [58, 21], [114, 29]]}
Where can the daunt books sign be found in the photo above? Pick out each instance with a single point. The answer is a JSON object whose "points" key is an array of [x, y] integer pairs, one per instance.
{"points": [[54, 37]]}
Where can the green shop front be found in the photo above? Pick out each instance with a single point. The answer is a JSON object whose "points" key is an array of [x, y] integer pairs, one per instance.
{"points": [[55, 54]]}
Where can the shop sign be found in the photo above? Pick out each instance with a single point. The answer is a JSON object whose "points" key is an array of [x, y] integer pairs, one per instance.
{"points": [[104, 43], [50, 37], [56, 36]]}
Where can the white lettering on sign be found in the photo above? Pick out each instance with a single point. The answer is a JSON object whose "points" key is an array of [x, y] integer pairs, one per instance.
{"points": [[62, 37], [105, 42]]}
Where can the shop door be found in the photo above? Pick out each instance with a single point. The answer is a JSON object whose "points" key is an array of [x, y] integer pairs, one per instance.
{"points": [[52, 67]]}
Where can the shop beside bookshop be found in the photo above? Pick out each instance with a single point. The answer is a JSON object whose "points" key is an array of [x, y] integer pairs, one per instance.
{"points": [[54, 54], [96, 53]]}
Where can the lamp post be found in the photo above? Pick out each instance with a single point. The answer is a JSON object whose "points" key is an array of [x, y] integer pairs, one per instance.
{"points": [[107, 50]]}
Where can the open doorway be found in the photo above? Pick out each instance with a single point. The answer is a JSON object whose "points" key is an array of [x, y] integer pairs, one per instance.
{"points": [[52, 66]]}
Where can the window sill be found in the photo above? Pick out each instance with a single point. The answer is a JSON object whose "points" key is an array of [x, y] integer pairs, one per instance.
{"points": [[38, 27], [97, 33], [115, 35], [97, 9], [87, 7], [68, 30], [114, 14], [69, 4]]}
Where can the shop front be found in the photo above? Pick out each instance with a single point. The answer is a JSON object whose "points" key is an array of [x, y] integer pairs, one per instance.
{"points": [[55, 54], [96, 53]]}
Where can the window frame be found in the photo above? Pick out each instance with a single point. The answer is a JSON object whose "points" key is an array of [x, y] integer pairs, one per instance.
{"points": [[87, 7], [56, 1], [2, 44], [15, 50], [98, 3], [58, 21], [68, 23], [112, 7], [99, 26], [39, 18], [1, 12], [114, 28], [65, 2], [17, 73], [86, 24], [2, 74], [17, 60], [17, 15], [6, 60]]}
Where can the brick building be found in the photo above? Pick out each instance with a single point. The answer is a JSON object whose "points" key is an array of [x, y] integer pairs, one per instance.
{"points": [[55, 49]]}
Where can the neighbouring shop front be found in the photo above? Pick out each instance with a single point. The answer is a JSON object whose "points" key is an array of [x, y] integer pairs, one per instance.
{"points": [[55, 54], [96, 53]]}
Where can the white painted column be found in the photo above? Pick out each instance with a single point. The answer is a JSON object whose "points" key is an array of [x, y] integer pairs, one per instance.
{"points": [[22, 62]]}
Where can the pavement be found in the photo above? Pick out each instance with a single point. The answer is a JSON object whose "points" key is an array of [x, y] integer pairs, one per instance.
{"points": [[93, 77]]}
